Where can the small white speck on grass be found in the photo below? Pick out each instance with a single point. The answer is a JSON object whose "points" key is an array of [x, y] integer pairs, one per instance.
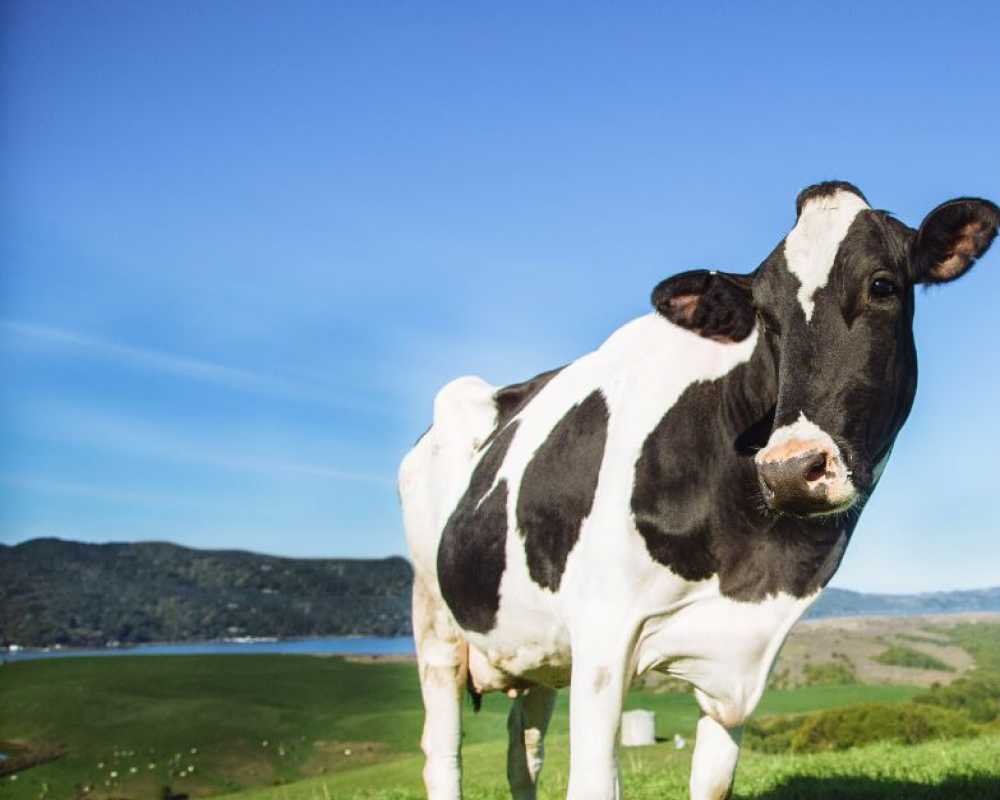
{"points": [[347, 752], [190, 768], [13, 777], [114, 774], [194, 750], [133, 770], [152, 765]]}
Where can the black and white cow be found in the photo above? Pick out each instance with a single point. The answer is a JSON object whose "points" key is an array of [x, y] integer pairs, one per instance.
{"points": [[674, 500]]}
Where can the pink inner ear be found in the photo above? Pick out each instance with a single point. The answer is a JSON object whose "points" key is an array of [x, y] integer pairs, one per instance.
{"points": [[682, 307], [967, 244]]}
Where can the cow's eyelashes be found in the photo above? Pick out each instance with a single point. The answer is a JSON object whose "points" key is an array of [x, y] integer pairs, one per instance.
{"points": [[882, 287]]}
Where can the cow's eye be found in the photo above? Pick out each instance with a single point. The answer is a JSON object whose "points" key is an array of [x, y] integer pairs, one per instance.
{"points": [[883, 287]]}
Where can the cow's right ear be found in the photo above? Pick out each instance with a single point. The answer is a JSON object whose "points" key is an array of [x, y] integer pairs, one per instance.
{"points": [[715, 305]]}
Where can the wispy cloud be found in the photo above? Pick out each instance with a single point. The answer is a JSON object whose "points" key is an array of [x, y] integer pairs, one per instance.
{"points": [[48, 486], [102, 431], [178, 365]]}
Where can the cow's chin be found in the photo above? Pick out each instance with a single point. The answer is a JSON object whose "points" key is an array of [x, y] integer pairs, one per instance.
{"points": [[832, 505], [834, 511]]}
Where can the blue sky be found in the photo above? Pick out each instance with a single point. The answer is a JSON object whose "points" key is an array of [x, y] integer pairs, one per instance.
{"points": [[244, 243]]}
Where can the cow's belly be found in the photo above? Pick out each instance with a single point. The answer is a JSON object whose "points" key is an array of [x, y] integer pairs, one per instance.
{"points": [[724, 648], [530, 642]]}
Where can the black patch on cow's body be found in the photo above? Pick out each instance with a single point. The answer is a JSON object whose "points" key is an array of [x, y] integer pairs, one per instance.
{"points": [[695, 502], [471, 556], [511, 400], [558, 487]]}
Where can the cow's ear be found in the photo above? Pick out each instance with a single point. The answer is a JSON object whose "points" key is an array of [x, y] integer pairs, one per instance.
{"points": [[951, 238], [715, 305]]}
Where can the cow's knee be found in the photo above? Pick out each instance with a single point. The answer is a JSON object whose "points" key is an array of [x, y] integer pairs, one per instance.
{"points": [[716, 751]]}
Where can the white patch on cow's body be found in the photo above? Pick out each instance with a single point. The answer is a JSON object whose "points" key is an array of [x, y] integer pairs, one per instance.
{"points": [[723, 647], [812, 245], [803, 436]]}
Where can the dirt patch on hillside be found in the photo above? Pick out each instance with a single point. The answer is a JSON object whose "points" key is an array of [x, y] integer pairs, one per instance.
{"points": [[856, 642]]}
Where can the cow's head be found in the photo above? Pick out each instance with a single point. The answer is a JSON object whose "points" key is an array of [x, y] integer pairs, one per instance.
{"points": [[833, 305]]}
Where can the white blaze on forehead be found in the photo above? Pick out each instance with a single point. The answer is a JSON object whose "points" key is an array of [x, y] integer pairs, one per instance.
{"points": [[811, 247]]}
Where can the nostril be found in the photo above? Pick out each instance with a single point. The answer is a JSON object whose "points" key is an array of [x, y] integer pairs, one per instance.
{"points": [[815, 468]]}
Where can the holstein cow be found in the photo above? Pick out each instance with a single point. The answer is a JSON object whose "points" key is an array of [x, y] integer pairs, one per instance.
{"points": [[674, 500]]}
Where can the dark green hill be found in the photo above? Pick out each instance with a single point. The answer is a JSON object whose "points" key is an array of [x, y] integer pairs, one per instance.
{"points": [[59, 592], [845, 603]]}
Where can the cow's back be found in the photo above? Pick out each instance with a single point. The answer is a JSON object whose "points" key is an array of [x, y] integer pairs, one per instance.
{"points": [[435, 473]]}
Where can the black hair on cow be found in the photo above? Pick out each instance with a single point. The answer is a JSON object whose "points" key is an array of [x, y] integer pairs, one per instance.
{"points": [[824, 189], [475, 696]]}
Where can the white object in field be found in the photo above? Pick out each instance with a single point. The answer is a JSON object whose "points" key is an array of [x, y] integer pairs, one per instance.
{"points": [[638, 728], [679, 742]]}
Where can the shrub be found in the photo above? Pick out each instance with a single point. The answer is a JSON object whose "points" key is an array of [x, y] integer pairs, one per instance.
{"points": [[976, 694], [830, 673], [841, 728], [899, 656]]}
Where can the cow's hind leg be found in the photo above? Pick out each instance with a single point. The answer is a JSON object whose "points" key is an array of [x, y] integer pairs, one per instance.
{"points": [[442, 658], [526, 724], [716, 751]]}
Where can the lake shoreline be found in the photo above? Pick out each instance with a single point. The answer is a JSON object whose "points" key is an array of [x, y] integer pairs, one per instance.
{"points": [[354, 646]]}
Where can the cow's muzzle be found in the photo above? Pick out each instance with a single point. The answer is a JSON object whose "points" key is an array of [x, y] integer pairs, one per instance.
{"points": [[805, 477]]}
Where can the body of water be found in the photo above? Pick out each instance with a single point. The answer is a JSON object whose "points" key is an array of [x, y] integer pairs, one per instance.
{"points": [[334, 645]]}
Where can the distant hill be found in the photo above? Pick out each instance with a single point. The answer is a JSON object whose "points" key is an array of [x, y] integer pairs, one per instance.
{"points": [[59, 592], [845, 603]]}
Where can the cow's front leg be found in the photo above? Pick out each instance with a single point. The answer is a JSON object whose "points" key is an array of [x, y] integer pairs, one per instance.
{"points": [[442, 660], [716, 751], [526, 724], [595, 708]]}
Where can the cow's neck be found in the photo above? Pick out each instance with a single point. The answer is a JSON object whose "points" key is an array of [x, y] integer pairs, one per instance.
{"points": [[696, 501]]}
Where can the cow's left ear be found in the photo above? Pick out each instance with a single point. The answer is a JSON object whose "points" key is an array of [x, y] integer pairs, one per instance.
{"points": [[712, 304], [951, 238]]}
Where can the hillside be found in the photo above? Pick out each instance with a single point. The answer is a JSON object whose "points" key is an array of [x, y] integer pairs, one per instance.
{"points": [[845, 603], [59, 592]]}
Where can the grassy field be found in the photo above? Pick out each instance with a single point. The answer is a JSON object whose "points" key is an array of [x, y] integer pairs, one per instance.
{"points": [[307, 728], [943, 770], [132, 725]]}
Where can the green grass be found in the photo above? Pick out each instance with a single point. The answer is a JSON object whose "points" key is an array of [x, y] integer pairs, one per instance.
{"points": [[961, 769], [901, 656], [130, 712], [912, 637]]}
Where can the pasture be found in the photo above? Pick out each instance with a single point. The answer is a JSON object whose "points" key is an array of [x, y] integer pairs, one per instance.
{"points": [[281, 727]]}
